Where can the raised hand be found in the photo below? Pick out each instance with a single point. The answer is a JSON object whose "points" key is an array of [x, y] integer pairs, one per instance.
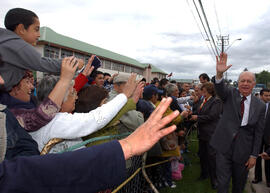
{"points": [[264, 156], [149, 133], [221, 65], [112, 77], [68, 68], [80, 63], [89, 68], [138, 92], [130, 85]]}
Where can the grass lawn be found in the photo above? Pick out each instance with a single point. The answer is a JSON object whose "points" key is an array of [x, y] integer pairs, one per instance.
{"points": [[191, 173]]}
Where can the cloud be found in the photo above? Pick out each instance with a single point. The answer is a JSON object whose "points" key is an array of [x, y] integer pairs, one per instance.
{"points": [[163, 34]]}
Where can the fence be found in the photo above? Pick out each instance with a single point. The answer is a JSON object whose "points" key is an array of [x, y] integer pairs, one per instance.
{"points": [[138, 178]]}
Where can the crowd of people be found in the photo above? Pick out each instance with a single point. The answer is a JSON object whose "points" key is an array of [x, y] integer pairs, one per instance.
{"points": [[38, 120]]}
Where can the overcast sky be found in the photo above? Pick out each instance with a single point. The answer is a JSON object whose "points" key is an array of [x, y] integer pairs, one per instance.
{"points": [[163, 33]]}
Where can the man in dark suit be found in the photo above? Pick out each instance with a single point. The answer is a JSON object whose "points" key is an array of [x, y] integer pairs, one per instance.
{"points": [[265, 97], [266, 155], [238, 135]]}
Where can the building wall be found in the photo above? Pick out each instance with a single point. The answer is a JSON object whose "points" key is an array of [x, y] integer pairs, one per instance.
{"points": [[158, 75], [107, 65], [147, 74]]}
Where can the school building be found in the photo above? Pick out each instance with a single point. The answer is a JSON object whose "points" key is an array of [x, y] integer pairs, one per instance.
{"points": [[55, 45]]}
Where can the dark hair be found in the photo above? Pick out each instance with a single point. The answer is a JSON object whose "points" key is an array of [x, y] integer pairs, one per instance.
{"points": [[210, 88], [106, 74], [163, 94], [17, 16], [149, 96], [264, 90], [143, 80], [155, 79], [163, 81], [173, 81], [180, 90], [204, 76], [89, 98], [97, 73], [28, 74]]}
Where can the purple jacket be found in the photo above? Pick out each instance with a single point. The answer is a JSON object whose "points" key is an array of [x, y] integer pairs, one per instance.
{"points": [[34, 119]]}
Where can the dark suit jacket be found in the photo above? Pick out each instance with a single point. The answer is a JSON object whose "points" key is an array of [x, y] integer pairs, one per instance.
{"points": [[247, 140], [267, 128], [208, 118], [196, 106], [86, 170]]}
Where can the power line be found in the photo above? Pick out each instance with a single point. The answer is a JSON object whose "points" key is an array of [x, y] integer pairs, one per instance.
{"points": [[217, 17], [204, 27], [206, 21], [200, 31]]}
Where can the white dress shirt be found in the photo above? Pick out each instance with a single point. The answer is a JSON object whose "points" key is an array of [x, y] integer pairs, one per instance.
{"points": [[246, 110]]}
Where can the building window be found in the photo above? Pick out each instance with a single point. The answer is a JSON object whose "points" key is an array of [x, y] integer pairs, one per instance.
{"points": [[114, 66], [121, 67], [51, 52], [127, 68], [117, 67], [66, 53], [86, 58], [108, 64], [102, 63], [80, 56], [137, 70]]}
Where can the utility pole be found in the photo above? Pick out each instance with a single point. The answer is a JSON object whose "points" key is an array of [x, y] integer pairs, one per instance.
{"points": [[222, 42]]}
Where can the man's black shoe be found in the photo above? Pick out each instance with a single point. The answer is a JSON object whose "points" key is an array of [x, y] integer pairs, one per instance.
{"points": [[256, 181], [214, 186]]}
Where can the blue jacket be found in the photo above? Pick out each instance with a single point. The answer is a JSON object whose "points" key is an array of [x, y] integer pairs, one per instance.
{"points": [[87, 170], [145, 107], [174, 105], [13, 103], [19, 142]]}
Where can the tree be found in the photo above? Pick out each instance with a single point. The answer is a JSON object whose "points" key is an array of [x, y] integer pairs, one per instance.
{"points": [[235, 84], [263, 77]]}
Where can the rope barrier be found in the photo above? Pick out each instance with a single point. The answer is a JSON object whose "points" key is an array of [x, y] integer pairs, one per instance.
{"points": [[127, 180], [74, 147], [93, 140], [146, 176], [135, 173]]}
